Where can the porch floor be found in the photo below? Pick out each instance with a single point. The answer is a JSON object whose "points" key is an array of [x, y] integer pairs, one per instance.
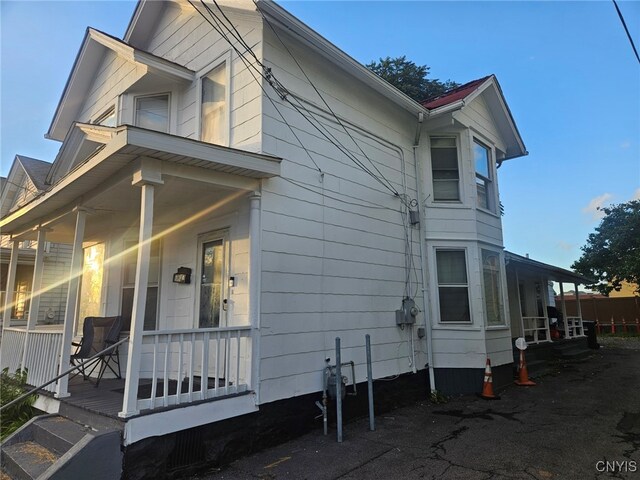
{"points": [[106, 399]]}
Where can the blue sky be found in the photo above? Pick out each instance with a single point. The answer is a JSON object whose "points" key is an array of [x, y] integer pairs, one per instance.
{"points": [[566, 68]]}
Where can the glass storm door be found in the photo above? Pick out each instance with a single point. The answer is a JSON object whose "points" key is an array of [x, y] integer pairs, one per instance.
{"points": [[212, 273]]}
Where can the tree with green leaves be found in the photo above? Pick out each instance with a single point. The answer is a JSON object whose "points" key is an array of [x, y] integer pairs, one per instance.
{"points": [[410, 78], [612, 253]]}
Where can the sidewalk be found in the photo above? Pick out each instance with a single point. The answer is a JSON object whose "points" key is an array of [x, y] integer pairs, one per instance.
{"points": [[576, 419]]}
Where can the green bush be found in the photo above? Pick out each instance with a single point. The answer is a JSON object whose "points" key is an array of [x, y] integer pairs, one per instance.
{"points": [[12, 385]]}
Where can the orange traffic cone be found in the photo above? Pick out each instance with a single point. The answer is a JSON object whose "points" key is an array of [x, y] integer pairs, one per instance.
{"points": [[523, 379], [487, 387]]}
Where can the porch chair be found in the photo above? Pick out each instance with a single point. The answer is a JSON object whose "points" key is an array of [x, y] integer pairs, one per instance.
{"points": [[98, 333]]}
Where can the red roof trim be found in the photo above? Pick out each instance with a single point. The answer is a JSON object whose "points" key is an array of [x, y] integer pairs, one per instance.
{"points": [[454, 95]]}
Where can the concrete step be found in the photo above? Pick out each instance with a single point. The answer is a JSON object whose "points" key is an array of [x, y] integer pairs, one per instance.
{"points": [[58, 434], [51, 447], [27, 460]]}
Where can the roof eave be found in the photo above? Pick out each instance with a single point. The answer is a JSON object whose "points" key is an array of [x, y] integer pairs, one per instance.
{"points": [[76, 86]]}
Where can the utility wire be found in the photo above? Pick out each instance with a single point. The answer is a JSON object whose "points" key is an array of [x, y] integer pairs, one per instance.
{"points": [[305, 187], [266, 73], [282, 91], [624, 24], [248, 65], [319, 94]]}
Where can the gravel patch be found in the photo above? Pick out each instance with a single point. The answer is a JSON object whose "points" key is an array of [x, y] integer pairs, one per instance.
{"points": [[629, 343]]}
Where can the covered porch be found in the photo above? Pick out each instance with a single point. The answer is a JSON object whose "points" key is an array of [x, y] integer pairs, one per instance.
{"points": [[164, 232], [534, 313]]}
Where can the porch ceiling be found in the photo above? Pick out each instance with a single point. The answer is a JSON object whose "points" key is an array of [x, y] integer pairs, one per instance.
{"points": [[115, 162], [554, 273]]}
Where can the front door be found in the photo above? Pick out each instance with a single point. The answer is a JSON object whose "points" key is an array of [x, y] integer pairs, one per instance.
{"points": [[212, 288], [211, 309]]}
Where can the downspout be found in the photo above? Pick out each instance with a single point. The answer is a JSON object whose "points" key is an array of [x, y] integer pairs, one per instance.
{"points": [[423, 258]]}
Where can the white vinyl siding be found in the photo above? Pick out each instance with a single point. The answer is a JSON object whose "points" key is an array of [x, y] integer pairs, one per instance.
{"points": [[128, 282], [184, 37]]}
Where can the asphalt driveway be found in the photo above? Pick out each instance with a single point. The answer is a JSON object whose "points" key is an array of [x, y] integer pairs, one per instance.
{"points": [[582, 421]]}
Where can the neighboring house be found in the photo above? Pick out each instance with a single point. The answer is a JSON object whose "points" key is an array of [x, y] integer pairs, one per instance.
{"points": [[25, 182], [309, 200]]}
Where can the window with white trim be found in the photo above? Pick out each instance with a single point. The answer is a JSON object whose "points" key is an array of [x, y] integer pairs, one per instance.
{"points": [[484, 176], [152, 112], [130, 262], [493, 304], [213, 107], [444, 169], [453, 286]]}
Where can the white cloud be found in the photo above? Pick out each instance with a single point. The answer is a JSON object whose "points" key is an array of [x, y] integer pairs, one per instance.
{"points": [[636, 194], [598, 202], [562, 245]]}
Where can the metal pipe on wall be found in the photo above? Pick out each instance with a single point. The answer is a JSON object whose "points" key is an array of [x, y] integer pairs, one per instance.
{"points": [[338, 390], [372, 422]]}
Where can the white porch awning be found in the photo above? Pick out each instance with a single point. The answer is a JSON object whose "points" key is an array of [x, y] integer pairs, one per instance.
{"points": [[553, 272], [125, 145]]}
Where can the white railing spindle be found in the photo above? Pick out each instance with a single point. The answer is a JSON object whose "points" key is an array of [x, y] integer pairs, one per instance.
{"points": [[221, 355]]}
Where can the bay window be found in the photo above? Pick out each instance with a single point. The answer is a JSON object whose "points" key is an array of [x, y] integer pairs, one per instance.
{"points": [[444, 168], [492, 288], [484, 176], [453, 285]]}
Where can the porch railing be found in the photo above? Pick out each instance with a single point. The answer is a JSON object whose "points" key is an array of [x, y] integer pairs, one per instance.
{"points": [[536, 329], [183, 366], [37, 351], [574, 327], [21, 300], [12, 348]]}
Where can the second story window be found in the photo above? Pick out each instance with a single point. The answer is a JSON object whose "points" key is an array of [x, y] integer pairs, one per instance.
{"points": [[484, 176], [107, 119], [153, 112], [213, 120], [444, 167]]}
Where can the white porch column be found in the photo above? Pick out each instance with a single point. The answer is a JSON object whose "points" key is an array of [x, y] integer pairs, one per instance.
{"points": [[130, 403], [564, 312], [520, 305], [255, 249], [72, 303], [11, 285], [579, 307], [36, 286], [544, 286]]}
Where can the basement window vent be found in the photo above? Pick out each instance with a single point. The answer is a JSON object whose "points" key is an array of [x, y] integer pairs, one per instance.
{"points": [[188, 451]]}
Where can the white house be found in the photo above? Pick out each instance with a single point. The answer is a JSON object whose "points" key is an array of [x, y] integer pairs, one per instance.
{"points": [[26, 181], [307, 198]]}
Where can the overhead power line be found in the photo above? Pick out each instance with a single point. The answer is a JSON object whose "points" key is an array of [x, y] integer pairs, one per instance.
{"points": [[624, 24], [266, 73]]}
